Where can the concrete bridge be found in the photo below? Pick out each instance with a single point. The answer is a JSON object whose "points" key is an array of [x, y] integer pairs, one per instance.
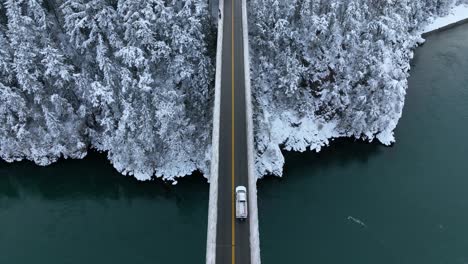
{"points": [[229, 240]]}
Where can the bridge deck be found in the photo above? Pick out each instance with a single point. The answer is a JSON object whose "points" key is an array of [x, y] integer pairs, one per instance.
{"points": [[232, 237]]}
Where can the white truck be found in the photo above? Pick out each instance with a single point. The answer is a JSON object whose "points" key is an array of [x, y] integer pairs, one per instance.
{"points": [[241, 202]]}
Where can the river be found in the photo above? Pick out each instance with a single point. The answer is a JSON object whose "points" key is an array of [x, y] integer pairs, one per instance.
{"points": [[367, 203], [352, 203]]}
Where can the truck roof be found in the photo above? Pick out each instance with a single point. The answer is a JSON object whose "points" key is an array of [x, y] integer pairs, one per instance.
{"points": [[242, 196], [241, 188]]}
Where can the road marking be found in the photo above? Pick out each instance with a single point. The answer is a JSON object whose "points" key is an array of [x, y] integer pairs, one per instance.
{"points": [[233, 223]]}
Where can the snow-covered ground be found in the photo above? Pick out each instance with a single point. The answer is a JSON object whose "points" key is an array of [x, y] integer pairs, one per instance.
{"points": [[458, 13]]}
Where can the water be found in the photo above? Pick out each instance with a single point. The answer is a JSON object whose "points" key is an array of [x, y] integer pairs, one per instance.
{"points": [[83, 211], [366, 203], [352, 203]]}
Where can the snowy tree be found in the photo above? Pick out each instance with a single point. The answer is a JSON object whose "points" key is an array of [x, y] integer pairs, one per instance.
{"points": [[43, 123], [132, 78], [324, 69]]}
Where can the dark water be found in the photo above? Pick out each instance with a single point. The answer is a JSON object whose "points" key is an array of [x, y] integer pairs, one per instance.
{"points": [[368, 204], [82, 211]]}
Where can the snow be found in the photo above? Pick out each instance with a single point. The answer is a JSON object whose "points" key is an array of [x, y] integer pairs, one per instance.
{"points": [[458, 13], [386, 137], [348, 79], [133, 80], [296, 134], [147, 103], [213, 176], [253, 218]]}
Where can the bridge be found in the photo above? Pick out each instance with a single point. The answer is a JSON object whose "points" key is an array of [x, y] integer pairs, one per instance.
{"points": [[229, 240]]}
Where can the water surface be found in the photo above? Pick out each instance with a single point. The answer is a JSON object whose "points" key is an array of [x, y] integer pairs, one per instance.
{"points": [[83, 211], [366, 203]]}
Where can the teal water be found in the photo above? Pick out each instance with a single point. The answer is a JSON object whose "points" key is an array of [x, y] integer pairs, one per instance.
{"points": [[83, 211], [366, 203]]}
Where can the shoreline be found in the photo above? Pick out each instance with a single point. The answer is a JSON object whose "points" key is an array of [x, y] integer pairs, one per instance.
{"points": [[445, 28], [458, 15]]}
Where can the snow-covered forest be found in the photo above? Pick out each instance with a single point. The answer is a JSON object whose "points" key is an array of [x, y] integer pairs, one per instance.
{"points": [[133, 78], [330, 68]]}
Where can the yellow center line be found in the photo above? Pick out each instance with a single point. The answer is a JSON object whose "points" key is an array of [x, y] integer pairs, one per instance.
{"points": [[233, 223]]}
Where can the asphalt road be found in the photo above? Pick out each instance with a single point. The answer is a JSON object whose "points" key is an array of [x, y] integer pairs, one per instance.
{"points": [[232, 236]]}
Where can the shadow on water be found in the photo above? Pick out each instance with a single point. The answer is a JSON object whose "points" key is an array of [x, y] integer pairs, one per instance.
{"points": [[340, 153], [90, 178], [84, 211]]}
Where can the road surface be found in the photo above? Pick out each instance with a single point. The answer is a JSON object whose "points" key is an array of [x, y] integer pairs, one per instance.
{"points": [[232, 236]]}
